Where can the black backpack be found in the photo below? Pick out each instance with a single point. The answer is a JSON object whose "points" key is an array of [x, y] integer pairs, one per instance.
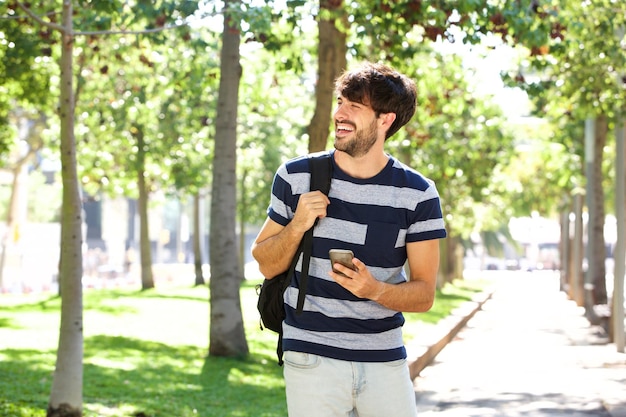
{"points": [[271, 303]]}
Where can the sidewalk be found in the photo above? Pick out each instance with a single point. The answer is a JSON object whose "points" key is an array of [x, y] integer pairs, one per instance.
{"points": [[527, 351]]}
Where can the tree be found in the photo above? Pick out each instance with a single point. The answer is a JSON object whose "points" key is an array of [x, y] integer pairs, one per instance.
{"points": [[397, 32], [133, 138], [33, 142], [227, 336], [458, 139], [331, 60], [66, 392], [25, 107], [193, 91], [564, 38], [271, 111]]}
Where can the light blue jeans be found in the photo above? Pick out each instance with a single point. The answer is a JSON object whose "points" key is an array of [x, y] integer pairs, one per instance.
{"points": [[324, 387]]}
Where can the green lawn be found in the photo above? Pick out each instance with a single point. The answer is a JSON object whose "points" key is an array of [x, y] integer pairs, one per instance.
{"points": [[146, 354]]}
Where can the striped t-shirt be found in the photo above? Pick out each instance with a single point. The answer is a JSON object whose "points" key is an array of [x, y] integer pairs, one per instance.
{"points": [[374, 218]]}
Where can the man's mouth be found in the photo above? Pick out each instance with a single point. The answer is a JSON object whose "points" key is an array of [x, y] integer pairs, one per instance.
{"points": [[343, 129]]}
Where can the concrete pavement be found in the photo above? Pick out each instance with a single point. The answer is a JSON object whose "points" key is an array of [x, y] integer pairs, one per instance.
{"points": [[527, 350]]}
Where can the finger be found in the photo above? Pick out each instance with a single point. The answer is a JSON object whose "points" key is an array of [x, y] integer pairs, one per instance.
{"points": [[358, 264], [314, 206], [318, 195], [342, 270]]}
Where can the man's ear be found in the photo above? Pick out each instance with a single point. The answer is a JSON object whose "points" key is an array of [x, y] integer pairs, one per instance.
{"points": [[387, 119]]}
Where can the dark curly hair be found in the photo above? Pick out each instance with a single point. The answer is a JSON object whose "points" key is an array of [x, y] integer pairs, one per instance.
{"points": [[383, 88]]}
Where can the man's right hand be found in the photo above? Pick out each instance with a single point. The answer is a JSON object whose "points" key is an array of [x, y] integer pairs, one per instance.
{"points": [[311, 206], [275, 245]]}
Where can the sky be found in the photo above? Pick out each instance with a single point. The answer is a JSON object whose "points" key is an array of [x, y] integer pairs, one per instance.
{"points": [[488, 60]]}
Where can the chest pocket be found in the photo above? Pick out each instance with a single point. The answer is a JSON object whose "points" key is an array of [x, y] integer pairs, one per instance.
{"points": [[385, 235]]}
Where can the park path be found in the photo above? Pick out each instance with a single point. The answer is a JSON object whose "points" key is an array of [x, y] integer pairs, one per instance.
{"points": [[528, 352]]}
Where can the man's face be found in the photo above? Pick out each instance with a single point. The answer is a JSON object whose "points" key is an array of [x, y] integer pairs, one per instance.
{"points": [[356, 127]]}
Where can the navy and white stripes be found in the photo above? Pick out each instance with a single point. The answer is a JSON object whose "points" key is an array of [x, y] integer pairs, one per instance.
{"points": [[374, 218]]}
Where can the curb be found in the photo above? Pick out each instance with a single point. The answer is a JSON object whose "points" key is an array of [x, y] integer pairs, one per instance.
{"points": [[422, 353], [618, 410]]}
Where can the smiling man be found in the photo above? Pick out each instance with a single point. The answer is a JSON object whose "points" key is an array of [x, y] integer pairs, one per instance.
{"points": [[344, 354]]}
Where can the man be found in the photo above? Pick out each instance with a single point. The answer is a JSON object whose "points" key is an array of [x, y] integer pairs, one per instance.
{"points": [[344, 355]]}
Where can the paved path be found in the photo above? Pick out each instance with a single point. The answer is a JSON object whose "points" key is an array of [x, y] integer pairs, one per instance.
{"points": [[528, 352]]}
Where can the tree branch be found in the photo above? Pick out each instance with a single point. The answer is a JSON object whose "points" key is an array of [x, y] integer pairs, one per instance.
{"points": [[40, 20], [186, 22], [60, 28], [16, 17], [130, 32]]}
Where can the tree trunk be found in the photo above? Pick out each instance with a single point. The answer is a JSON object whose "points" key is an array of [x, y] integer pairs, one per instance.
{"points": [[576, 278], [453, 266], [242, 223], [145, 250], [596, 225], [617, 306], [565, 251], [181, 251], [443, 255], [331, 60], [197, 238], [16, 213], [11, 231], [227, 336], [66, 397]]}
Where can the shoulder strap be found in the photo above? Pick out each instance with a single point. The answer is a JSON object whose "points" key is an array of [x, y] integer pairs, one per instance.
{"points": [[321, 168], [321, 171]]}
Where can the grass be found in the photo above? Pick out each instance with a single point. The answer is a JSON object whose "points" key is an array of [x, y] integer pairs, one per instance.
{"points": [[146, 354]]}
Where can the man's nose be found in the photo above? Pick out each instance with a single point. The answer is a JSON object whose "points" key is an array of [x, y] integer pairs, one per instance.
{"points": [[339, 114]]}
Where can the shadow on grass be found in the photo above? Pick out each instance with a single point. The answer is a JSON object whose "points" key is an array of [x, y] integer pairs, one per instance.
{"points": [[25, 379], [162, 380], [97, 301], [244, 387], [52, 302], [169, 296], [191, 293], [104, 300], [8, 323], [126, 377]]}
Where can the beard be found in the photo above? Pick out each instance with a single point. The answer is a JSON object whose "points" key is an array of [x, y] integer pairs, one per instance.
{"points": [[362, 142]]}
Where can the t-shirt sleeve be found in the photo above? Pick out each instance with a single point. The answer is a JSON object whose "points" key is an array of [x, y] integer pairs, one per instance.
{"points": [[280, 209], [290, 181], [427, 222]]}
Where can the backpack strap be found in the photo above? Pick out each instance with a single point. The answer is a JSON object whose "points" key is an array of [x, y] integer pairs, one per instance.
{"points": [[321, 171], [321, 168]]}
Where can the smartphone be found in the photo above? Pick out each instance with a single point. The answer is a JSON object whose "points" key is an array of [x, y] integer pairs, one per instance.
{"points": [[342, 256]]}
